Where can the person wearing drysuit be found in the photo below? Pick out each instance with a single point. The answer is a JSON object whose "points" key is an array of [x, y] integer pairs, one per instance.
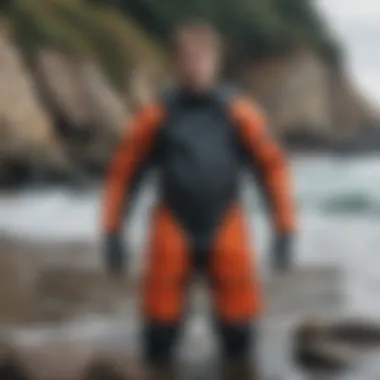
{"points": [[199, 136]]}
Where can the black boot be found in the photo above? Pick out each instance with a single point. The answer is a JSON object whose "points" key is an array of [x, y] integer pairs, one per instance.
{"points": [[159, 346], [238, 346]]}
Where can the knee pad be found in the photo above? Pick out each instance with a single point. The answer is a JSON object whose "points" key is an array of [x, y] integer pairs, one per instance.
{"points": [[159, 342], [237, 341]]}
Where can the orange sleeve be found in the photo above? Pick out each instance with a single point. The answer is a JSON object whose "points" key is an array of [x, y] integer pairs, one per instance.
{"points": [[263, 150], [131, 155]]}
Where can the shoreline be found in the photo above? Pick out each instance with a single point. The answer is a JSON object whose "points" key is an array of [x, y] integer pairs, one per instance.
{"points": [[88, 181]]}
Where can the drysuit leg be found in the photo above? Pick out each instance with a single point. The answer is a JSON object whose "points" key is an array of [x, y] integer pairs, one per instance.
{"points": [[236, 291], [165, 288]]}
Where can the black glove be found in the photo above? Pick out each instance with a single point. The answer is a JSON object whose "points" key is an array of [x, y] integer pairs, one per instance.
{"points": [[282, 252], [114, 254]]}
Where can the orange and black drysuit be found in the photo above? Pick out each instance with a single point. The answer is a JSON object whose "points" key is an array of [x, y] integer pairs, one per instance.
{"points": [[199, 144]]}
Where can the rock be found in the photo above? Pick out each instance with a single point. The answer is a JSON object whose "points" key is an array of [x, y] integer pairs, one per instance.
{"points": [[88, 114], [349, 108], [53, 359], [324, 356], [302, 139], [51, 283], [333, 345], [352, 332], [114, 366], [294, 91], [315, 350], [305, 290], [79, 89], [17, 291], [66, 292], [58, 77], [358, 332], [142, 87], [10, 369], [28, 146], [312, 105], [69, 283]]}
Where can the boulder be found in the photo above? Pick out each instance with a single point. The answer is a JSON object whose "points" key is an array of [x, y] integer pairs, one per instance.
{"points": [[333, 345], [55, 359], [314, 350], [353, 332]]}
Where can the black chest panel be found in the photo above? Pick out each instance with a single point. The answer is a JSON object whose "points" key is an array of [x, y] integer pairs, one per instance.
{"points": [[199, 163]]}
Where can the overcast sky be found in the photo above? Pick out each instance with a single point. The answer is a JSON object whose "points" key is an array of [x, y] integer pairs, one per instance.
{"points": [[357, 23]]}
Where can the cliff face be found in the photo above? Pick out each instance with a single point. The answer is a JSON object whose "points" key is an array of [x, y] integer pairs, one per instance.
{"points": [[60, 115], [88, 114], [310, 104], [27, 138]]}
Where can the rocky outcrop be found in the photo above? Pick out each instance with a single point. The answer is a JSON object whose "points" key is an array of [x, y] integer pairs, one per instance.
{"points": [[310, 103], [27, 142], [59, 115], [89, 115], [295, 92]]}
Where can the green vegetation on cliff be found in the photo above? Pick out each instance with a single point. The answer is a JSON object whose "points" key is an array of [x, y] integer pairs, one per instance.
{"points": [[117, 43], [259, 27]]}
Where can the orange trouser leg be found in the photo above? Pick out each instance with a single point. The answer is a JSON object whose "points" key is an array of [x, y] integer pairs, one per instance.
{"points": [[236, 290], [168, 270]]}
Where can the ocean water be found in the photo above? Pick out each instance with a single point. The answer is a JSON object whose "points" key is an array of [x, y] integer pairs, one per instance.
{"points": [[338, 200]]}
